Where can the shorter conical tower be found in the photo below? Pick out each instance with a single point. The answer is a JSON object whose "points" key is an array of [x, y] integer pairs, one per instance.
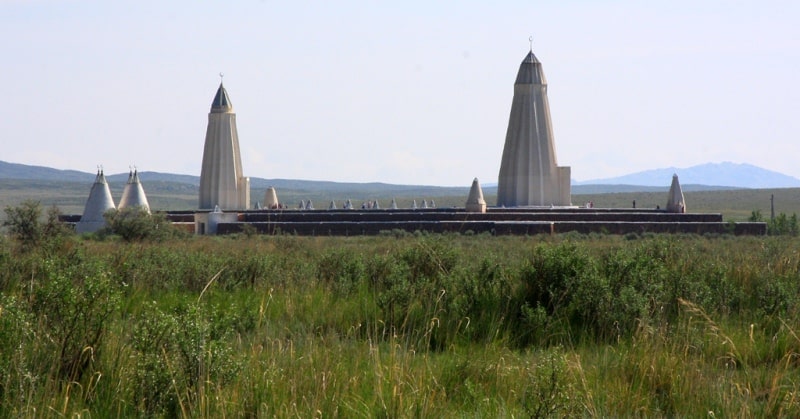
{"points": [[133, 195], [475, 201], [675, 201], [99, 202], [271, 198]]}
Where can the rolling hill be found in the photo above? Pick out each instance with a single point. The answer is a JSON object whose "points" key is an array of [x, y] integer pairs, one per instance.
{"points": [[725, 174]]}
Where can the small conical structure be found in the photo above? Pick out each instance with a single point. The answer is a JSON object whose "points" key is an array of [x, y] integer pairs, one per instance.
{"points": [[271, 198], [393, 205], [99, 202], [424, 204], [414, 204], [529, 174], [348, 205], [221, 180], [309, 205], [433, 203], [675, 201], [376, 205], [133, 195], [302, 204], [332, 206], [475, 201]]}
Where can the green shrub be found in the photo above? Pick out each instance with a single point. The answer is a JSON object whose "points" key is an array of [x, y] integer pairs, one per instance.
{"points": [[17, 337], [549, 391], [136, 224], [183, 349], [73, 301]]}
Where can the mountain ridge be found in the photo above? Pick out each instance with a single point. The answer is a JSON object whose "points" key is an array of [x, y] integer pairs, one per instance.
{"points": [[709, 176]]}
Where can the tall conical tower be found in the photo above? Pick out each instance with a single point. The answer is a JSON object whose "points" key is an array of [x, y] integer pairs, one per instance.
{"points": [[99, 202], [529, 173], [133, 194], [221, 180]]}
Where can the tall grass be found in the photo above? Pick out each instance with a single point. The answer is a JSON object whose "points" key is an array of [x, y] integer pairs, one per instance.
{"points": [[402, 326]]}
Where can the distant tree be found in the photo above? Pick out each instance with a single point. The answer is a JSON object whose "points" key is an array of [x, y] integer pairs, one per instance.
{"points": [[24, 222], [783, 225]]}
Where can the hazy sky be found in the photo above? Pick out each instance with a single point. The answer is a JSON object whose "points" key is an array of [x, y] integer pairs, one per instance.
{"points": [[411, 92]]}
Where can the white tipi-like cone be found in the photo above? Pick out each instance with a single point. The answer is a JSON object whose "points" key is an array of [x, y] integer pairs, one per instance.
{"points": [[376, 205], [475, 201], [424, 204], [414, 204], [675, 201], [393, 205], [302, 204], [348, 204], [133, 195], [309, 205], [271, 198], [99, 202], [332, 206]]}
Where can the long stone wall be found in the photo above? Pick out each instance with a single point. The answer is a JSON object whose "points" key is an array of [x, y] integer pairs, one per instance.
{"points": [[496, 221]]}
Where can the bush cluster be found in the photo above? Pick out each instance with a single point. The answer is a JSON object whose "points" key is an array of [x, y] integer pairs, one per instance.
{"points": [[118, 328]]}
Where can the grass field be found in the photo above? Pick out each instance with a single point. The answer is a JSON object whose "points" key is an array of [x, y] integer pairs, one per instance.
{"points": [[401, 326]]}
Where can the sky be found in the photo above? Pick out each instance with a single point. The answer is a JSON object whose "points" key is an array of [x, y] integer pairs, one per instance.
{"points": [[404, 92]]}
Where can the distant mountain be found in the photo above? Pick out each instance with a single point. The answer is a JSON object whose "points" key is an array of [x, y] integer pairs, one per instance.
{"points": [[711, 176], [15, 171], [726, 174], [26, 172], [598, 188]]}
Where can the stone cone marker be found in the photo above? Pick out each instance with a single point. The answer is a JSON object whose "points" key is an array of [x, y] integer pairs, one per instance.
{"points": [[475, 201], [271, 198], [675, 201]]}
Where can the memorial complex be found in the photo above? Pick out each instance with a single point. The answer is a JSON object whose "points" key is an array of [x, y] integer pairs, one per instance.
{"points": [[533, 192]]}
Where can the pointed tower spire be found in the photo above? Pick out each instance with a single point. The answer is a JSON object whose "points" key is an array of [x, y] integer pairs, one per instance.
{"points": [[99, 202], [529, 174], [222, 103]]}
